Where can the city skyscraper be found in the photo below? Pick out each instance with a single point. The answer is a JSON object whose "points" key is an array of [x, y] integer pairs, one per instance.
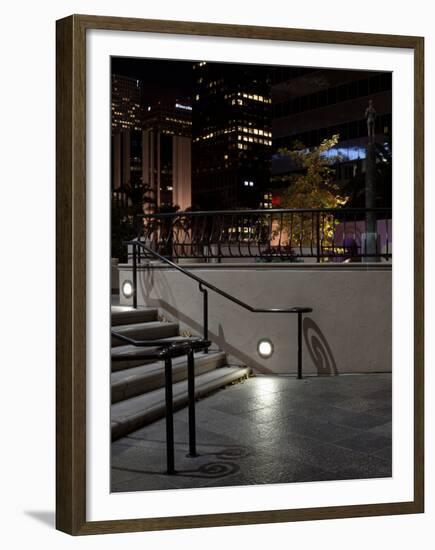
{"points": [[126, 103], [231, 136], [151, 144], [126, 106], [166, 153]]}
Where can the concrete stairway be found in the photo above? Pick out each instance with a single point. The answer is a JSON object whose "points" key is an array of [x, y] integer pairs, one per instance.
{"points": [[138, 394]]}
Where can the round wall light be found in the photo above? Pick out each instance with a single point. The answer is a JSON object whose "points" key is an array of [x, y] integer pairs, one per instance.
{"points": [[265, 348], [127, 289]]}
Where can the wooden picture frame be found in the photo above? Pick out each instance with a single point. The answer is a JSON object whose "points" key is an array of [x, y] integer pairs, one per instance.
{"points": [[71, 273]]}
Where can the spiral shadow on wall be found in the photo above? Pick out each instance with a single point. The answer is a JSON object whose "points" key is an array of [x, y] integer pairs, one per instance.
{"points": [[319, 349]]}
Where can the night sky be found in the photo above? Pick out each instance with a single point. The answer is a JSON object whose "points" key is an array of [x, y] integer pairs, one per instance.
{"points": [[173, 79], [162, 78], [166, 79]]}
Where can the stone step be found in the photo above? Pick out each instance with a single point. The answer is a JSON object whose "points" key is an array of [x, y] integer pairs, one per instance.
{"points": [[131, 414], [144, 378], [152, 330], [125, 315]]}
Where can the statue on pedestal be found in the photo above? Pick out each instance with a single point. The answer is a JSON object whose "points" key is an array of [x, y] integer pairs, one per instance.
{"points": [[370, 236], [370, 115]]}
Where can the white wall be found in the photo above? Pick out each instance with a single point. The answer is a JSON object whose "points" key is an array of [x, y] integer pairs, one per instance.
{"points": [[349, 330], [27, 213]]}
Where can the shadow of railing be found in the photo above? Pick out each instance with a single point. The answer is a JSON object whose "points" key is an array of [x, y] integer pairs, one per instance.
{"points": [[319, 349], [211, 470], [147, 284]]}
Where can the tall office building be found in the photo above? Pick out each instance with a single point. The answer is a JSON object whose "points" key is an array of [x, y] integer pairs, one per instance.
{"points": [[126, 153], [169, 117], [231, 136], [126, 103], [310, 105], [166, 153], [151, 144], [126, 150]]}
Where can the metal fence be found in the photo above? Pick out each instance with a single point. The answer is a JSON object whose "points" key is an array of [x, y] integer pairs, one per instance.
{"points": [[324, 235]]}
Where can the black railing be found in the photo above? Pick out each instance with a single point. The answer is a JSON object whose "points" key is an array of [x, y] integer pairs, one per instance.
{"points": [[333, 235], [203, 285], [166, 349]]}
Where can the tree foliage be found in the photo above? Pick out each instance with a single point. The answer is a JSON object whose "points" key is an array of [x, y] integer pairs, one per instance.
{"points": [[128, 203], [312, 184]]}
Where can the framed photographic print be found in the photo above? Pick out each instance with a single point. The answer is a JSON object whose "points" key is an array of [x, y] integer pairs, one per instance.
{"points": [[239, 275]]}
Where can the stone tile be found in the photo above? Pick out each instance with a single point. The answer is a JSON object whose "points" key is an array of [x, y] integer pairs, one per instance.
{"points": [[385, 453], [315, 409], [386, 412], [361, 421], [366, 442], [327, 456], [316, 429], [384, 429], [138, 481], [293, 471], [268, 430], [384, 394], [370, 472], [283, 408], [237, 406], [370, 405]]}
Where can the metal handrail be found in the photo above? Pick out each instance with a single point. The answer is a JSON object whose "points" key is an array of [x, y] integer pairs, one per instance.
{"points": [[167, 342], [190, 345], [166, 350], [269, 234], [203, 285], [262, 211]]}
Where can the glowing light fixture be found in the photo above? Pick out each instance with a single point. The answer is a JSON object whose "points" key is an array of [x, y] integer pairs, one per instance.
{"points": [[184, 107], [127, 289], [265, 348]]}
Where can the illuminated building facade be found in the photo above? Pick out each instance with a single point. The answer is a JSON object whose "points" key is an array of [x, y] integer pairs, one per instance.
{"points": [[151, 144], [310, 105], [126, 103], [126, 150], [166, 153], [169, 118], [231, 136]]}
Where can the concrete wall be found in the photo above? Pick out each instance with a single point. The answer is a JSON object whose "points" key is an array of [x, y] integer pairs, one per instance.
{"points": [[348, 331]]}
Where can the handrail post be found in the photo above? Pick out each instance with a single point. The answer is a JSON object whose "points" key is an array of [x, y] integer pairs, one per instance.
{"points": [[134, 276], [299, 345], [170, 459], [318, 236], [191, 402], [205, 313]]}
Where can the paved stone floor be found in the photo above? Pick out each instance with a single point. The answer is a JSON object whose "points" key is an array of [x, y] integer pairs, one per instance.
{"points": [[269, 429]]}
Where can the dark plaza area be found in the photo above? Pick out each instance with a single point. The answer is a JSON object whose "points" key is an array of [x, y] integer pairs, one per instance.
{"points": [[268, 429]]}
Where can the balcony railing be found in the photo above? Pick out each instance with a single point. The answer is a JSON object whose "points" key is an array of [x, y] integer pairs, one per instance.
{"points": [[271, 235]]}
